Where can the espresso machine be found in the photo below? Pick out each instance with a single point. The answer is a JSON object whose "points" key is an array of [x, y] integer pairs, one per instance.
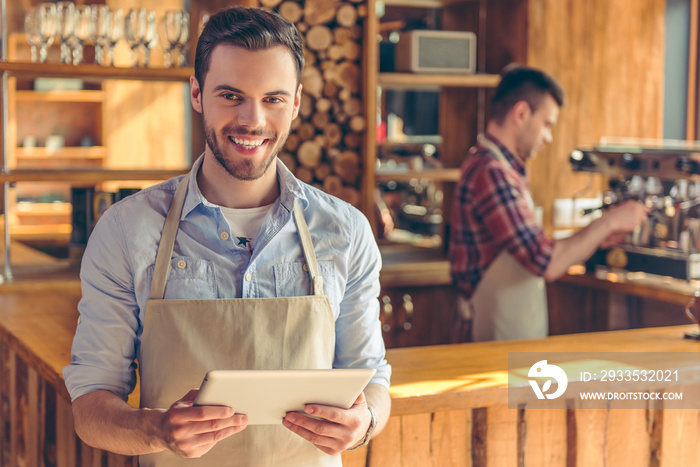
{"points": [[665, 176]]}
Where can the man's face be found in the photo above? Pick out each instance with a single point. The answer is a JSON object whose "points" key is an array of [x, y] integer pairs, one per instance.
{"points": [[537, 129], [248, 103]]}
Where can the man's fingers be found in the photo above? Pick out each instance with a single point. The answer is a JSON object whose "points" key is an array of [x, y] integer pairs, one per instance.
{"points": [[207, 426], [199, 413], [325, 441], [197, 446]]}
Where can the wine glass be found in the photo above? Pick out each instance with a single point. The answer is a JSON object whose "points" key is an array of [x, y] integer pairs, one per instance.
{"points": [[183, 44], [65, 24], [115, 34], [32, 32], [150, 39], [135, 29], [84, 30], [170, 30], [102, 16], [45, 27]]}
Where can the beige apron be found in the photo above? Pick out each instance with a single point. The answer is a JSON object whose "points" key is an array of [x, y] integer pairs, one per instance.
{"points": [[183, 339], [509, 301]]}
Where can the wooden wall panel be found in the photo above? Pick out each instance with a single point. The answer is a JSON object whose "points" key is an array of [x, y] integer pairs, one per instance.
{"points": [[609, 56], [501, 436], [545, 437], [628, 437]]}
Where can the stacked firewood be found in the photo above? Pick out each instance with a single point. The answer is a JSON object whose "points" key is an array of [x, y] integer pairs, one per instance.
{"points": [[325, 143]]}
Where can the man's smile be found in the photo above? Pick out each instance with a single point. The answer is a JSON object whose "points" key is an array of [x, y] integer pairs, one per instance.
{"points": [[248, 143]]}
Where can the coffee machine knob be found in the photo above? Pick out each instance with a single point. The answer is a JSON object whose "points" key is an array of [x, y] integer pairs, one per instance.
{"points": [[687, 166], [630, 162]]}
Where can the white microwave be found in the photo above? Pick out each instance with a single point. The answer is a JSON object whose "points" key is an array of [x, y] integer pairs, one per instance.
{"points": [[425, 51]]}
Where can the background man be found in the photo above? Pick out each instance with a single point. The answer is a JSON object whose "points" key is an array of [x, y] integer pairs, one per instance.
{"points": [[235, 265], [500, 257]]}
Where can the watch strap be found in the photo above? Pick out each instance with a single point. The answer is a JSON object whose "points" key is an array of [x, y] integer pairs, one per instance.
{"points": [[370, 429]]}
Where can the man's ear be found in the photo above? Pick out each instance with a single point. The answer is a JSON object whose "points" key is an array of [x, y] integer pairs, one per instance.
{"points": [[195, 94], [297, 102], [521, 112]]}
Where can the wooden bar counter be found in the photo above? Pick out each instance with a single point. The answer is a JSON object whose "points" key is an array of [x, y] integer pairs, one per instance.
{"points": [[449, 402]]}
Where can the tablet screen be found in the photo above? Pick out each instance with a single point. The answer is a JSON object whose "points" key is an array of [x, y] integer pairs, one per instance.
{"points": [[265, 396]]}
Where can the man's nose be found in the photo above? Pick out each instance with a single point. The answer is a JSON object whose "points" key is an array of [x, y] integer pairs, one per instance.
{"points": [[548, 136], [251, 115]]}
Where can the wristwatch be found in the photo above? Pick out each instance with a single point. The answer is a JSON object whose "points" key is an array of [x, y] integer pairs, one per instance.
{"points": [[368, 435]]}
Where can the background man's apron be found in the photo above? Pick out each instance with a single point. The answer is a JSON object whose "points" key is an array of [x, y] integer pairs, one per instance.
{"points": [[183, 339], [509, 301]]}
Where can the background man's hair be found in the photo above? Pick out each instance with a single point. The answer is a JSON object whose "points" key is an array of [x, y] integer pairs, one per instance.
{"points": [[523, 83], [251, 29]]}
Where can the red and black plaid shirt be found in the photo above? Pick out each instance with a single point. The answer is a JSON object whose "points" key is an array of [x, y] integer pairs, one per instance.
{"points": [[490, 214]]}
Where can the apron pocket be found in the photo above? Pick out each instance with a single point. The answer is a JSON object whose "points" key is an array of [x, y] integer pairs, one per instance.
{"points": [[293, 280], [189, 279]]}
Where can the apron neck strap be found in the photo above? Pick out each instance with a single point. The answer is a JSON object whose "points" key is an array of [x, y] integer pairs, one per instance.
{"points": [[167, 241], [491, 146], [308, 248]]}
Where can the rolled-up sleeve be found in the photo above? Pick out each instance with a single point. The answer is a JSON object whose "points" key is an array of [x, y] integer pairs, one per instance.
{"points": [[106, 338], [359, 342]]}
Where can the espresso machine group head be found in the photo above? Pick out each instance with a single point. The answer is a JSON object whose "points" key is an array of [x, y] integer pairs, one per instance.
{"points": [[665, 176]]}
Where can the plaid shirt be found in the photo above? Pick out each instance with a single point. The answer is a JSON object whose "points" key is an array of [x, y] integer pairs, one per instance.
{"points": [[490, 214]]}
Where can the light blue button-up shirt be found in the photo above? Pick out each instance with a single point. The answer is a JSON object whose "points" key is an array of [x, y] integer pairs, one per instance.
{"points": [[118, 265]]}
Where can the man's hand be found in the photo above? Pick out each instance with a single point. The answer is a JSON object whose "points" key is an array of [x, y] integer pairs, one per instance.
{"points": [[625, 217], [192, 431], [341, 429]]}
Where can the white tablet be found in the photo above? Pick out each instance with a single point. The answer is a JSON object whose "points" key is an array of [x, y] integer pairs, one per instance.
{"points": [[267, 395]]}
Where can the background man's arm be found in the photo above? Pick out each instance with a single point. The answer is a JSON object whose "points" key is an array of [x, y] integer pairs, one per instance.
{"points": [[611, 226]]}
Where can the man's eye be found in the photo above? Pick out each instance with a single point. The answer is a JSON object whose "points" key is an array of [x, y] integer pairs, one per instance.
{"points": [[274, 100], [229, 96]]}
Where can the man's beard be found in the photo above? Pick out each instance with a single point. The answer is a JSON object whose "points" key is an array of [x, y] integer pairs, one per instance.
{"points": [[246, 169]]}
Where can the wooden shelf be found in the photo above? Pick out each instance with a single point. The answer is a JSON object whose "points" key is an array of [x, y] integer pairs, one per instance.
{"points": [[93, 96], [437, 175], [96, 71], [88, 175], [89, 152], [424, 80], [43, 209], [54, 233]]}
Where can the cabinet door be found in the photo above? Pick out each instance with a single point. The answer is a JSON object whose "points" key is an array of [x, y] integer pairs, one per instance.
{"points": [[414, 316]]}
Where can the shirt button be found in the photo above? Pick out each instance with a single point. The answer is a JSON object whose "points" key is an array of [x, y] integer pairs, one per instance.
{"points": [[181, 264], [224, 235], [248, 277], [305, 267]]}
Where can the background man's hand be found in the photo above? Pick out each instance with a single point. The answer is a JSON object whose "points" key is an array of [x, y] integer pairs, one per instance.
{"points": [[191, 431], [341, 429], [627, 216]]}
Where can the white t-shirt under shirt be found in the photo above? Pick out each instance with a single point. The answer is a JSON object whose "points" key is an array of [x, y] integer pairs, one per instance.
{"points": [[245, 225]]}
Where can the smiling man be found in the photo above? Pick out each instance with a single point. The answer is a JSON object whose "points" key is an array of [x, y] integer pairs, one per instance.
{"points": [[500, 256], [237, 265]]}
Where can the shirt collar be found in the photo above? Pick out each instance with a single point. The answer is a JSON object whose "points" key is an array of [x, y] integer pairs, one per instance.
{"points": [[290, 189], [515, 162]]}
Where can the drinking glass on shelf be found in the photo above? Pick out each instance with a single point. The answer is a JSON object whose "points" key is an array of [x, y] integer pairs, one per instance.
{"points": [[115, 34], [150, 40], [83, 31], [135, 29], [32, 32], [102, 16], [182, 44], [45, 27], [65, 24], [171, 30]]}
